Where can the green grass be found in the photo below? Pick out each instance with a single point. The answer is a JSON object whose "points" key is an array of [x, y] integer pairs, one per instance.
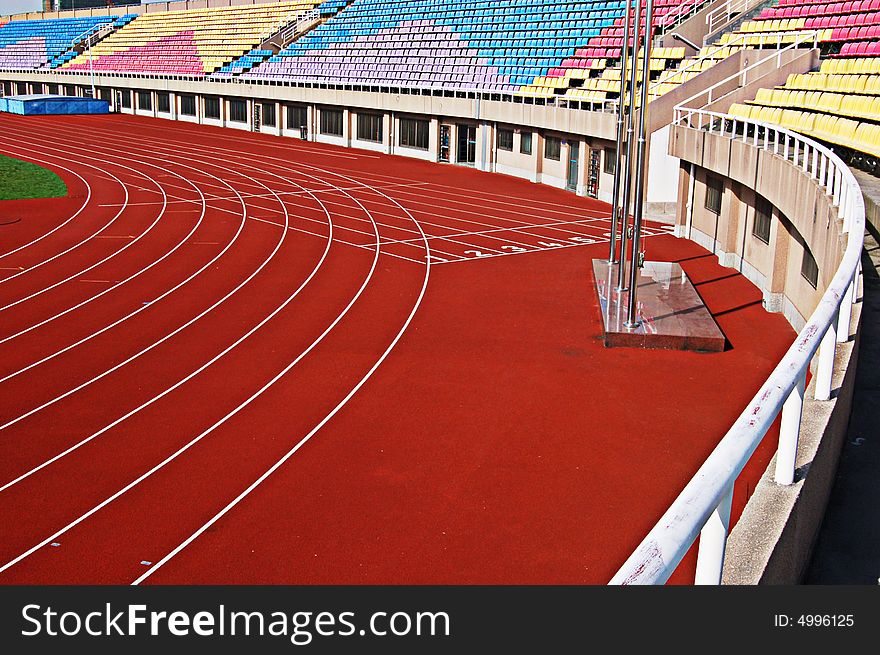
{"points": [[21, 179]]}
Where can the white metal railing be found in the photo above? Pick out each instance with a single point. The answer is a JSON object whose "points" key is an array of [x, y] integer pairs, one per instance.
{"points": [[710, 94], [780, 42], [723, 13], [682, 12], [739, 42], [703, 507], [296, 23]]}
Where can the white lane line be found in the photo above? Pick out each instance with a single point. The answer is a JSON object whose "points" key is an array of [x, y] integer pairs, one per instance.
{"points": [[302, 147], [455, 194], [58, 227], [119, 283], [178, 149], [290, 453], [213, 360], [517, 202], [560, 246], [80, 243], [517, 225], [434, 237], [264, 195], [129, 244], [216, 425], [337, 239], [205, 365]]}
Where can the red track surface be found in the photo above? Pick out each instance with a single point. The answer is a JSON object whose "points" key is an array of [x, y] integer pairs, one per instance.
{"points": [[165, 347]]}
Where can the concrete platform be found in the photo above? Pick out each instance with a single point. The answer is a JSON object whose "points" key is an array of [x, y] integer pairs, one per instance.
{"points": [[671, 312]]}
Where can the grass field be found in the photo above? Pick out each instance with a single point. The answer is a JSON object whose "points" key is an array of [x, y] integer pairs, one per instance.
{"points": [[20, 180]]}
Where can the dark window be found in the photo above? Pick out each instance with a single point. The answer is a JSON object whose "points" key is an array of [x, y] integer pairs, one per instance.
{"points": [[552, 148], [809, 268], [188, 105], [525, 143], [238, 111], [331, 122], [104, 94], [370, 127], [714, 191], [145, 100], [163, 102], [763, 215], [505, 140], [212, 107], [70, 90], [126, 98], [21, 88], [297, 117], [268, 114], [7, 88], [53, 89], [414, 133], [610, 163]]}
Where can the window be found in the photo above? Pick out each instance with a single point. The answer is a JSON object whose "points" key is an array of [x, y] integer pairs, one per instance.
{"points": [[69, 90], [212, 107], [21, 88], [714, 191], [125, 98], [297, 117], [552, 148], [53, 89], [331, 122], [188, 105], [163, 102], [809, 268], [268, 114], [104, 94], [525, 143], [763, 214], [609, 165], [414, 133], [504, 140], [238, 111], [145, 100], [370, 127]]}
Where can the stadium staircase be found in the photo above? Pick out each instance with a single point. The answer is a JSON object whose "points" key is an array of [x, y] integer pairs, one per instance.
{"points": [[89, 38]]}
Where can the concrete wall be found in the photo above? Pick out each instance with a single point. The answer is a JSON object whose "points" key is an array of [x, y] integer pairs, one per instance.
{"points": [[804, 218]]}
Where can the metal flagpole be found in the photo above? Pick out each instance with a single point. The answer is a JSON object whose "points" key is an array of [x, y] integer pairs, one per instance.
{"points": [[627, 176], [91, 69], [632, 320], [618, 166]]}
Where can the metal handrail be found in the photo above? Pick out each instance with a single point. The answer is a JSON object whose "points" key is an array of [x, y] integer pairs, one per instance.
{"points": [[703, 506], [801, 37], [682, 13], [743, 73], [721, 14]]}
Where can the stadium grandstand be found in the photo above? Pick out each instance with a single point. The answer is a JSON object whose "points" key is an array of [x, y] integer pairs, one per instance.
{"points": [[497, 148]]}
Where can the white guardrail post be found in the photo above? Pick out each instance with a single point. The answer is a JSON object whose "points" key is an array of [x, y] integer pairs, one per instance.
{"points": [[703, 507]]}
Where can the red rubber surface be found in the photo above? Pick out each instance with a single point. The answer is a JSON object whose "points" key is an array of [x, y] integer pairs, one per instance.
{"points": [[494, 444]]}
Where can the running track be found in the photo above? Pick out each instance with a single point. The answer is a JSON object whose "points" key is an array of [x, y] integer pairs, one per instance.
{"points": [[234, 358]]}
